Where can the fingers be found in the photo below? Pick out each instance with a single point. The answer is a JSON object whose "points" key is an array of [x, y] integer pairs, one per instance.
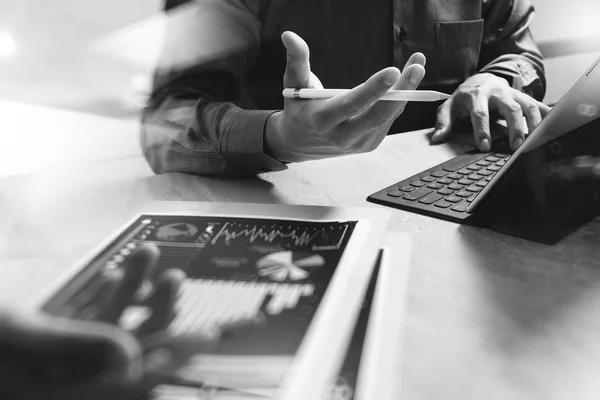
{"points": [[297, 71], [136, 267], [512, 112], [480, 119], [533, 110], [513, 107], [383, 113], [544, 109], [416, 58], [163, 301], [444, 121], [530, 109], [411, 79], [475, 97], [412, 75], [343, 107]]}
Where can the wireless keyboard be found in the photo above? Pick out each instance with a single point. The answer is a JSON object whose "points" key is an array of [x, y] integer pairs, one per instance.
{"points": [[447, 189]]}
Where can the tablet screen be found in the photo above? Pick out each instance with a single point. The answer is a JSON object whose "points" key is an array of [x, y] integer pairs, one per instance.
{"points": [[236, 267]]}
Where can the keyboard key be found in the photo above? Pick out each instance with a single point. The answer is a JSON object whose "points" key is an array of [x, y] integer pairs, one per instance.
{"points": [[445, 192], [474, 189], [482, 183], [474, 167], [501, 155], [489, 178], [475, 177], [465, 182], [492, 159], [455, 176], [464, 193], [443, 204], [494, 168], [428, 179], [471, 199], [462, 161], [396, 193], [407, 188], [462, 207], [417, 183], [435, 186], [456, 186], [417, 194], [439, 174], [454, 199], [445, 181], [483, 163], [431, 198], [501, 163], [485, 172], [465, 171]]}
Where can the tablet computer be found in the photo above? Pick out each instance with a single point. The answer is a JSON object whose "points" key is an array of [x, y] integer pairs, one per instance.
{"points": [[307, 267], [519, 194]]}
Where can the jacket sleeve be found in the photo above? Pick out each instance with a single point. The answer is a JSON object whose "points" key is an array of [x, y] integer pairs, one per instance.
{"points": [[198, 119], [508, 48]]}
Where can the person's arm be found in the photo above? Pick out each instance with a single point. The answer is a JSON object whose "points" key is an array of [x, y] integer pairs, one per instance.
{"points": [[510, 79], [199, 120], [194, 122], [508, 48]]}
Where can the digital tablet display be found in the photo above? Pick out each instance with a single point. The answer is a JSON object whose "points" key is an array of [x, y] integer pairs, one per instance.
{"points": [[236, 267]]}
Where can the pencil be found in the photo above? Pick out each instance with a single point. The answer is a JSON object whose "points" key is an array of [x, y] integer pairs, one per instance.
{"points": [[392, 95]]}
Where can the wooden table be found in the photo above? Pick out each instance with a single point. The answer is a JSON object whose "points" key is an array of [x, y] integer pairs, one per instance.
{"points": [[489, 316]]}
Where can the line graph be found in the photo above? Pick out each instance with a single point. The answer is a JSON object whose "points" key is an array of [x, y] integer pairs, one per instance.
{"points": [[299, 236]]}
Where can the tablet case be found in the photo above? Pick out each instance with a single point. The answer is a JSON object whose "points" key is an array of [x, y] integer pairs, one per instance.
{"points": [[550, 191]]}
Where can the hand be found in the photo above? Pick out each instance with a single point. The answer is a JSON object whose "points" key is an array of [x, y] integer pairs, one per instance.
{"points": [[479, 95], [355, 122], [90, 357]]}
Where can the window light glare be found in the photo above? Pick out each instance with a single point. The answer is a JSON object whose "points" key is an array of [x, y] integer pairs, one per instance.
{"points": [[8, 46]]}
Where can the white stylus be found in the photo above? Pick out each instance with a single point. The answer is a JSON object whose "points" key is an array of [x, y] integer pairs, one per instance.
{"points": [[392, 95]]}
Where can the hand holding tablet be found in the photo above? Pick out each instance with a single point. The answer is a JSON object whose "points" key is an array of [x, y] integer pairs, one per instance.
{"points": [[86, 354]]}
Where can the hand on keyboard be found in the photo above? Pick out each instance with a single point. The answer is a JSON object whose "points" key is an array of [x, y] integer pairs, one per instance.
{"points": [[479, 95]]}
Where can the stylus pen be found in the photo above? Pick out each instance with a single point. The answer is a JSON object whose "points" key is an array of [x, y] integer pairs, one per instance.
{"points": [[392, 95], [190, 383]]}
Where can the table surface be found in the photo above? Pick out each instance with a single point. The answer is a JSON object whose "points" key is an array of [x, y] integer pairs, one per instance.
{"points": [[488, 316]]}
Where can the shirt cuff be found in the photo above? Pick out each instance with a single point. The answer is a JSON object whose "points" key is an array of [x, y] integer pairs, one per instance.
{"points": [[243, 144], [520, 74]]}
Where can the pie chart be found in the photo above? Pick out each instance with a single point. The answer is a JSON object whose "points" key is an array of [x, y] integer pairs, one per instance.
{"points": [[284, 265]]}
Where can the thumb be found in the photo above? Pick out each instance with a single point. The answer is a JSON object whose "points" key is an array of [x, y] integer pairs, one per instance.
{"points": [[443, 125], [297, 71]]}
